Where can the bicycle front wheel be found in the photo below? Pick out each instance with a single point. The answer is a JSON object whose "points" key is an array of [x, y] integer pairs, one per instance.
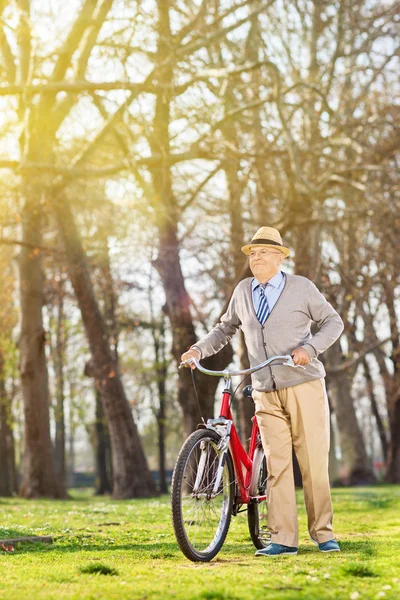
{"points": [[201, 515], [257, 512]]}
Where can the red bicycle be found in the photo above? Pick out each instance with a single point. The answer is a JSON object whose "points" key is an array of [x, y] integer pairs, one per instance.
{"points": [[214, 477]]}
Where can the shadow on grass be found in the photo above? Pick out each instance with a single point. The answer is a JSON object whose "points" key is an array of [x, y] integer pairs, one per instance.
{"points": [[364, 549], [152, 551]]}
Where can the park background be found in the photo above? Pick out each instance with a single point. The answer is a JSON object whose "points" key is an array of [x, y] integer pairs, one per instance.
{"points": [[142, 143]]}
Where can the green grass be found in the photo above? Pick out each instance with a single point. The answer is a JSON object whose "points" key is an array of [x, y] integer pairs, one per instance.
{"points": [[127, 550]]}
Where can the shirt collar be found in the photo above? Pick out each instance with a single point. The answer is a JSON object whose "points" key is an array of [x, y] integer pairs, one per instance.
{"points": [[275, 281]]}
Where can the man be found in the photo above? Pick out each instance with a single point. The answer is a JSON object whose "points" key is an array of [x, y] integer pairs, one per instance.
{"points": [[275, 311]]}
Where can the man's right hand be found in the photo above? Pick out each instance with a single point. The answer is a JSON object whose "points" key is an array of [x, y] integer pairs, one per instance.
{"points": [[192, 352]]}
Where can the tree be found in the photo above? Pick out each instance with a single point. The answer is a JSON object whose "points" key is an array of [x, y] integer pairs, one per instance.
{"points": [[131, 475], [8, 318]]}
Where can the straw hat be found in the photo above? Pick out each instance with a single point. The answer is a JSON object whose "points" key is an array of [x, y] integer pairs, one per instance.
{"points": [[268, 237]]}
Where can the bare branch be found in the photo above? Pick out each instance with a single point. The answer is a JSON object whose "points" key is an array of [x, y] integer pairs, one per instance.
{"points": [[83, 21], [36, 248], [8, 57], [74, 87], [90, 39], [189, 27], [217, 74], [217, 34], [199, 188], [24, 40], [359, 357]]}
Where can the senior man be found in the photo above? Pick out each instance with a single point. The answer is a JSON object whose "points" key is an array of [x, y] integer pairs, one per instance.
{"points": [[275, 310]]}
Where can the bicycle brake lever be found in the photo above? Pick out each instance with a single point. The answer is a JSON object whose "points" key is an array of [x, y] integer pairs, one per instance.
{"points": [[184, 363], [290, 363]]}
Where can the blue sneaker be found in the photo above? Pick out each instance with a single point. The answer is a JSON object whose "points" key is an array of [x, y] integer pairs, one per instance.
{"points": [[329, 546], [276, 550]]}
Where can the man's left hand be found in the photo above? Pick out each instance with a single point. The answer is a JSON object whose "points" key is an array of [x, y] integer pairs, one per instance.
{"points": [[300, 357]]}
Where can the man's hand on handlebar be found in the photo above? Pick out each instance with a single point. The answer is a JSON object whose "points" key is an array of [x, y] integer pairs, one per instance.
{"points": [[190, 353], [301, 357]]}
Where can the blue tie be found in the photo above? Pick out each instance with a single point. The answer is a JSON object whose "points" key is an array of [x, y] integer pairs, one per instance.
{"points": [[263, 308]]}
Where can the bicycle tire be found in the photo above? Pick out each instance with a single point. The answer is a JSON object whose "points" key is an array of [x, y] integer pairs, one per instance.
{"points": [[257, 512], [190, 512]]}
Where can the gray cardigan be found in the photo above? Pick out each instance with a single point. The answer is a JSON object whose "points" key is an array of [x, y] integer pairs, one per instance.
{"points": [[287, 328]]}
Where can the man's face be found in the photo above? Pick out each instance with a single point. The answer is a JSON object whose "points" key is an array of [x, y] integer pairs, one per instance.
{"points": [[265, 262]]}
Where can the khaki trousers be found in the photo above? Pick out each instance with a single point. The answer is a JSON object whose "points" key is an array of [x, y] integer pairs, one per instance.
{"points": [[298, 415]]}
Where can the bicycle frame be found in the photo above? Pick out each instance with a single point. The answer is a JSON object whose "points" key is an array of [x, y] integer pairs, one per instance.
{"points": [[241, 460]]}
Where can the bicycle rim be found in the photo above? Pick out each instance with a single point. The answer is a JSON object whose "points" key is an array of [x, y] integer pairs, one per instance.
{"points": [[201, 517]]}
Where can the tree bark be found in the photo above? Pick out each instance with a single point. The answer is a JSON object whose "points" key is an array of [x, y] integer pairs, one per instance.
{"points": [[306, 250], [374, 408], [103, 451], [393, 460], [8, 479], [158, 331], [351, 440], [39, 475], [393, 397], [71, 437], [131, 475], [58, 355], [183, 335], [231, 167], [168, 261]]}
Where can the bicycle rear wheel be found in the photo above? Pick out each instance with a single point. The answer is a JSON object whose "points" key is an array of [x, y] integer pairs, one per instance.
{"points": [[200, 517], [257, 512]]}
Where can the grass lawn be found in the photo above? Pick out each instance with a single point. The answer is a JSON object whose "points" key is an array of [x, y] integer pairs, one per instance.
{"points": [[108, 549]]}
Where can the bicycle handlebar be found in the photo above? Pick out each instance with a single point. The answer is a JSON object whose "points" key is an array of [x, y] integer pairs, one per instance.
{"points": [[227, 374]]}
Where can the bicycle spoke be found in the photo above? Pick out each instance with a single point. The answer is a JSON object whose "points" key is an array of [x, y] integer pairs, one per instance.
{"points": [[202, 512]]}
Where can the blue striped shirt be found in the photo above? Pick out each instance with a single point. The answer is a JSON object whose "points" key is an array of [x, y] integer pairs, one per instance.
{"points": [[273, 290]]}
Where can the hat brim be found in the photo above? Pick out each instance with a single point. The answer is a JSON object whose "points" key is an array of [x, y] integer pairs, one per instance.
{"points": [[246, 249]]}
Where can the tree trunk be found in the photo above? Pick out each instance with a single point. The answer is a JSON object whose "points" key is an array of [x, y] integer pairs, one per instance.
{"points": [[235, 186], [161, 438], [58, 357], [131, 475], [393, 398], [103, 452], [161, 374], [71, 437], [39, 475], [183, 336], [393, 460], [306, 251], [374, 409], [168, 262], [8, 480], [351, 440]]}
